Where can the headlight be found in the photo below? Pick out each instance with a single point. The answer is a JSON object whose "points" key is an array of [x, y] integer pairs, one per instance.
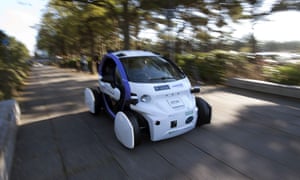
{"points": [[145, 98]]}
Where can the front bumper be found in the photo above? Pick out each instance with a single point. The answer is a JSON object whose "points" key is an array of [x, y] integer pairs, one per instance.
{"points": [[171, 125]]}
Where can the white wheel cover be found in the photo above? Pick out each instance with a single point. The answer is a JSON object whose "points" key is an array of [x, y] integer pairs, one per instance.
{"points": [[89, 99], [124, 130]]}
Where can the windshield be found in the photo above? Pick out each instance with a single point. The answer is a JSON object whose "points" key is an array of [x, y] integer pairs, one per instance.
{"points": [[150, 69]]}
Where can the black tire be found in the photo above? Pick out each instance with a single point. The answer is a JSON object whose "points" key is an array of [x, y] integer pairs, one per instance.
{"points": [[204, 112], [136, 128], [98, 101]]}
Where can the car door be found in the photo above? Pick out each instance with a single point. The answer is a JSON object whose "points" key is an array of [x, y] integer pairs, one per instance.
{"points": [[114, 85]]}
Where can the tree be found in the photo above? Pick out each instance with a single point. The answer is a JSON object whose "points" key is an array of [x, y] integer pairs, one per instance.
{"points": [[70, 28], [201, 21], [121, 11], [12, 52], [13, 65], [204, 21], [134, 15], [253, 11]]}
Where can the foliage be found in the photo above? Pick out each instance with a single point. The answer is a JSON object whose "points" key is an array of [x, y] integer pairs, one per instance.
{"points": [[79, 26], [74, 63], [285, 74], [215, 66], [13, 66], [69, 63], [73, 27], [69, 27]]}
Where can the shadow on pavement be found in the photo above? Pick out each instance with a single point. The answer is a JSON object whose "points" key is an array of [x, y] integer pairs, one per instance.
{"points": [[59, 139]]}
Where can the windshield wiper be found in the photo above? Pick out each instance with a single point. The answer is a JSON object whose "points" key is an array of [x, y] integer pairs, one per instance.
{"points": [[162, 78]]}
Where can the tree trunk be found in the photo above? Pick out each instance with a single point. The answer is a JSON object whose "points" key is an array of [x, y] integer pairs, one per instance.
{"points": [[253, 44], [92, 49], [125, 25]]}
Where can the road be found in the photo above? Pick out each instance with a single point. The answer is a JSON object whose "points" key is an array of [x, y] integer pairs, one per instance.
{"points": [[252, 136]]}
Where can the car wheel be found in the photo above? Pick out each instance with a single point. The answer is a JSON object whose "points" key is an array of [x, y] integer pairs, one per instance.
{"points": [[98, 101], [136, 128], [204, 112]]}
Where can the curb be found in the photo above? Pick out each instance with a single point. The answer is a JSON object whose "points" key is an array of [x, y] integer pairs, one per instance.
{"points": [[9, 116], [266, 87]]}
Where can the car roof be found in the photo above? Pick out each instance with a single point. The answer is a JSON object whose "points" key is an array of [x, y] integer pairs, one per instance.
{"points": [[133, 53]]}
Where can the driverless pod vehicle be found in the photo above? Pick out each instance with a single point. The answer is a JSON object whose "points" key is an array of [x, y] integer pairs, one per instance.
{"points": [[145, 93]]}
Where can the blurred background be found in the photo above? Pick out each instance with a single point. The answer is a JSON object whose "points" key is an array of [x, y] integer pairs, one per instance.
{"points": [[211, 40]]}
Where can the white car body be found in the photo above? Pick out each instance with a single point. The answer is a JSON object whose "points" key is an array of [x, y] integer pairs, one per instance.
{"points": [[168, 106], [175, 104]]}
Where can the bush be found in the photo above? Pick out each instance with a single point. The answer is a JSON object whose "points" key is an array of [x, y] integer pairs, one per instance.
{"points": [[286, 74], [213, 67], [10, 82], [75, 64], [69, 63], [13, 66]]}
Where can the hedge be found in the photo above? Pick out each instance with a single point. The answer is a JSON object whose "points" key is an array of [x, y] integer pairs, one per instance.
{"points": [[284, 74], [75, 64], [214, 67], [12, 80]]}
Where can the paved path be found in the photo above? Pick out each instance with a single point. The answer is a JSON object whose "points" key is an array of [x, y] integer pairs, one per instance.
{"points": [[252, 136]]}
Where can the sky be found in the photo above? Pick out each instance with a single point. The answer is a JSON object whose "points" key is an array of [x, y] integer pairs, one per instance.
{"points": [[283, 26], [17, 18]]}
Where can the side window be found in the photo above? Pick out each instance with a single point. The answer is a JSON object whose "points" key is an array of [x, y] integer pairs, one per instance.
{"points": [[108, 71], [118, 78], [111, 72]]}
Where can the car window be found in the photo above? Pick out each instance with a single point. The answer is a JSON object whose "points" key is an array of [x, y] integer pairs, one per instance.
{"points": [[150, 69], [118, 79]]}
